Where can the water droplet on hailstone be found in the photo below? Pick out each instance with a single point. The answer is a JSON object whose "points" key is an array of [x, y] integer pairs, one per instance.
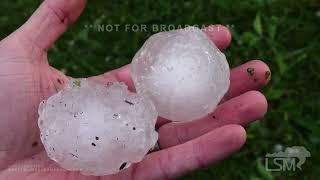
{"points": [[182, 72], [97, 129]]}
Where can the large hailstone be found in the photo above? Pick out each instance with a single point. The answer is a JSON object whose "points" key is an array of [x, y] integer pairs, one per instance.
{"points": [[182, 72], [97, 129]]}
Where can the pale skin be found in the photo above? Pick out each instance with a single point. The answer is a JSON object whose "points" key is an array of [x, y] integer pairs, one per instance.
{"points": [[26, 78]]}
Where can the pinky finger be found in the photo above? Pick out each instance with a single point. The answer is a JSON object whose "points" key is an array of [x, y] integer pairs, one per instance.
{"points": [[179, 160]]}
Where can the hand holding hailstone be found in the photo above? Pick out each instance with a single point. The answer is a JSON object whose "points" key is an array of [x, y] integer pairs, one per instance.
{"points": [[99, 130]]}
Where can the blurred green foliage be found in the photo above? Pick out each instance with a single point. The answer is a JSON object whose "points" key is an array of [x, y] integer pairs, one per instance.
{"points": [[284, 33]]}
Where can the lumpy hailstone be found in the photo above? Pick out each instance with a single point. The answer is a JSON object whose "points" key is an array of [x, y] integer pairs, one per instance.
{"points": [[182, 72], [97, 129]]}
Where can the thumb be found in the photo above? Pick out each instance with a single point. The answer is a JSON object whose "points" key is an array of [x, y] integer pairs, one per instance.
{"points": [[50, 20]]}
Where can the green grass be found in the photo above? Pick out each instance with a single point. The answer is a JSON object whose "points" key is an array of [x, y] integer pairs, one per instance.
{"points": [[284, 33]]}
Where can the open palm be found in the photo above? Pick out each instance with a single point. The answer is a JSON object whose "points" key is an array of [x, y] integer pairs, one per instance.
{"points": [[26, 78]]}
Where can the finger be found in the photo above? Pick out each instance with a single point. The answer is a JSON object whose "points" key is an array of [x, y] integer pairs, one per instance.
{"points": [[50, 20], [249, 76], [122, 74], [219, 34], [198, 153], [241, 80], [240, 110]]}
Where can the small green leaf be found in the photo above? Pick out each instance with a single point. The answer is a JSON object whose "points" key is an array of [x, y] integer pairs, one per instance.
{"points": [[280, 61], [77, 82], [257, 24], [272, 27]]}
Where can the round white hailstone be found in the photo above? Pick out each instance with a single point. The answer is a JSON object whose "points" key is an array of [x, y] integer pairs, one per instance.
{"points": [[182, 72], [97, 129]]}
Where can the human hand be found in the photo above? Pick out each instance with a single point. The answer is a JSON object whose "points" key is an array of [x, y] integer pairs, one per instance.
{"points": [[26, 79]]}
